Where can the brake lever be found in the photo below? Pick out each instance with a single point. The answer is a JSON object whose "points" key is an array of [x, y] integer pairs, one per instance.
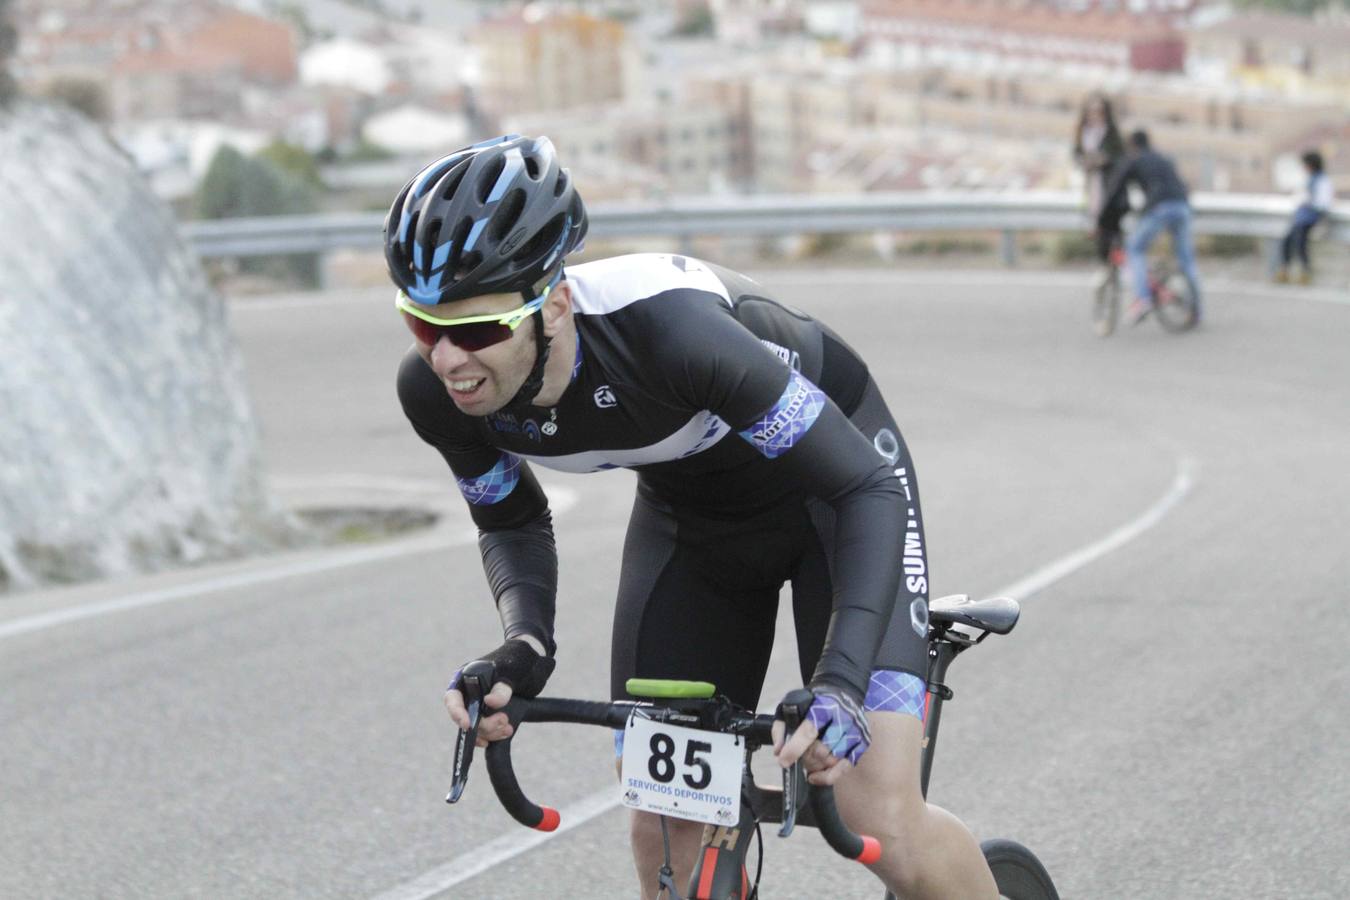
{"points": [[474, 682], [792, 711]]}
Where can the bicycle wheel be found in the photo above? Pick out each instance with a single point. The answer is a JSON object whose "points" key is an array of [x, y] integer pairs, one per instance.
{"points": [[1017, 872], [1106, 304], [1174, 301]]}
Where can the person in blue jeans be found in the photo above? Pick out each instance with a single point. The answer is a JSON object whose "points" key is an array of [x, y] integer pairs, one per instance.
{"points": [[1166, 205], [1314, 205]]}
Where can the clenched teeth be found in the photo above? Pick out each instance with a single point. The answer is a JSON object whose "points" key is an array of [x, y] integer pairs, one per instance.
{"points": [[466, 385]]}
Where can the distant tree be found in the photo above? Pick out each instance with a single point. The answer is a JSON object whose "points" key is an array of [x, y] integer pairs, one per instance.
{"points": [[293, 160], [236, 185], [696, 20], [9, 39], [367, 151], [83, 94]]}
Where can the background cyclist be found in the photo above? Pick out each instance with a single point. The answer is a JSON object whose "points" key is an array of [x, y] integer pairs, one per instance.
{"points": [[1166, 205], [765, 455]]}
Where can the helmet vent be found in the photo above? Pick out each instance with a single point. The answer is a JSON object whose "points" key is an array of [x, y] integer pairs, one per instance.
{"points": [[489, 178], [450, 183], [429, 239], [532, 168], [561, 184], [542, 240], [457, 239], [466, 264], [411, 233], [507, 214]]}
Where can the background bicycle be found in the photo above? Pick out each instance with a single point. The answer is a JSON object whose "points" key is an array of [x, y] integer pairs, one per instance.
{"points": [[1172, 293]]}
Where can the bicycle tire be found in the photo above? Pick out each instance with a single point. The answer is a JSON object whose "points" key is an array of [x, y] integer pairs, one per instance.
{"points": [[1106, 305], [1017, 872], [1174, 301]]}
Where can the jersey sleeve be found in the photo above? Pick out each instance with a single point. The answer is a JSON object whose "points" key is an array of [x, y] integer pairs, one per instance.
{"points": [[506, 502], [713, 362]]}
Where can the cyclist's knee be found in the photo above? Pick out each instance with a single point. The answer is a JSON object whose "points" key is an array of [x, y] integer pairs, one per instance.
{"points": [[645, 830]]}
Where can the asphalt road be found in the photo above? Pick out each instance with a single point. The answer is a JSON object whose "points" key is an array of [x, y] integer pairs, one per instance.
{"points": [[1170, 718]]}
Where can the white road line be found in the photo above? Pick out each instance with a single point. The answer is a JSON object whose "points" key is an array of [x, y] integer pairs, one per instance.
{"points": [[29, 624], [560, 499], [499, 850], [514, 843], [1047, 575]]}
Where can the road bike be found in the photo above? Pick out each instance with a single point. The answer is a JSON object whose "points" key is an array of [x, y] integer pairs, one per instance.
{"points": [[1171, 292], [679, 723]]}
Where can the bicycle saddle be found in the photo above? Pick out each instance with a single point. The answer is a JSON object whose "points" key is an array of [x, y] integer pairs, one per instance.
{"points": [[996, 614]]}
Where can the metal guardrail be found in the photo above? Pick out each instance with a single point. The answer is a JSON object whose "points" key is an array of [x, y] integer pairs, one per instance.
{"points": [[1251, 215]]}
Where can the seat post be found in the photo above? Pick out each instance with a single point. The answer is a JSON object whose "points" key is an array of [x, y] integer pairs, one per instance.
{"points": [[940, 655]]}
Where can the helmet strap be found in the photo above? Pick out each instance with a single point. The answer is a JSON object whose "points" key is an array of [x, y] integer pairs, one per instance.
{"points": [[534, 382]]}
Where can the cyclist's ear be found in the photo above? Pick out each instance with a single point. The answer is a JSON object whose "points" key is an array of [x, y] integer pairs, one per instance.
{"points": [[557, 308]]}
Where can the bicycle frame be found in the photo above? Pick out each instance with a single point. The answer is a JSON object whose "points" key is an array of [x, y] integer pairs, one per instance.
{"points": [[720, 868], [719, 872]]}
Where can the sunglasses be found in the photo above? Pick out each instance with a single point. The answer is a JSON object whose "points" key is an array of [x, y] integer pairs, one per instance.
{"points": [[468, 332]]}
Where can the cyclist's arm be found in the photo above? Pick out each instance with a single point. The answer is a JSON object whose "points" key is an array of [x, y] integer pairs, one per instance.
{"points": [[712, 362], [506, 502]]}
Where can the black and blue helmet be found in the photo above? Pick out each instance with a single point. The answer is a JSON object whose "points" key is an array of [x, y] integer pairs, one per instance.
{"points": [[495, 217]]}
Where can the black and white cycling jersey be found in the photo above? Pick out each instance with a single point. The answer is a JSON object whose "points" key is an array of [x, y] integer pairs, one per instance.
{"points": [[726, 403]]}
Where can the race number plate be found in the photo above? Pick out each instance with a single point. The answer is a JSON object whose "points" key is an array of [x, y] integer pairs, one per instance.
{"points": [[681, 772]]}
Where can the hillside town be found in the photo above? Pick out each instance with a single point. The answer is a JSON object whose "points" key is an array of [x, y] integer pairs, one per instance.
{"points": [[699, 96]]}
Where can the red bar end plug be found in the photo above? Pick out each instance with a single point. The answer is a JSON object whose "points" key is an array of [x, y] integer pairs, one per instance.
{"points": [[551, 819], [871, 851]]}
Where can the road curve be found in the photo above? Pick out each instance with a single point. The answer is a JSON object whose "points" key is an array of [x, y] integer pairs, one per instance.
{"points": [[1168, 720]]}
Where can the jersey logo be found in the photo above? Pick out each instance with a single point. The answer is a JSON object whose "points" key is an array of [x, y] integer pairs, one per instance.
{"points": [[791, 357], [788, 420], [604, 397]]}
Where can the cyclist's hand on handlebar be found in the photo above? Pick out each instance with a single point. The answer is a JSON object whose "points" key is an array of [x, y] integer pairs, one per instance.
{"points": [[833, 731], [490, 728], [518, 668]]}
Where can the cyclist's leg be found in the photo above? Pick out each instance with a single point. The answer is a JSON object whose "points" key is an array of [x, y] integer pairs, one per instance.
{"points": [[1179, 224], [926, 852], [1136, 252], [697, 601]]}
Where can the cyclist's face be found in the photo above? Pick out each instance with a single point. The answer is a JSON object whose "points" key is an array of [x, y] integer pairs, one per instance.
{"points": [[482, 381]]}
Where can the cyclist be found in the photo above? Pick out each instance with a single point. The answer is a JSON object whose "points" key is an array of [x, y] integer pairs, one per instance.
{"points": [[765, 454], [1166, 205]]}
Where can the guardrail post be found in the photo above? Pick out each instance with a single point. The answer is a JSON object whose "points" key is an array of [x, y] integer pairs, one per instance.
{"points": [[323, 267], [1270, 249], [1008, 247]]}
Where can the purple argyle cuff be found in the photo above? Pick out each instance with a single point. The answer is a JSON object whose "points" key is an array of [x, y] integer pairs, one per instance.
{"points": [[495, 484], [890, 691]]}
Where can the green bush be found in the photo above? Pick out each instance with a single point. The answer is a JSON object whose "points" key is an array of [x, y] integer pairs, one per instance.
{"points": [[1074, 246], [236, 186], [1228, 246]]}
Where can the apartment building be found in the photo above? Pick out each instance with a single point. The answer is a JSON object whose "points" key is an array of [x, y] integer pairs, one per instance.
{"points": [[645, 148], [981, 32], [533, 60], [158, 59], [1294, 52]]}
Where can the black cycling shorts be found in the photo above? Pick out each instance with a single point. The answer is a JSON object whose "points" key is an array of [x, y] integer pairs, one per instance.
{"points": [[698, 596]]}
